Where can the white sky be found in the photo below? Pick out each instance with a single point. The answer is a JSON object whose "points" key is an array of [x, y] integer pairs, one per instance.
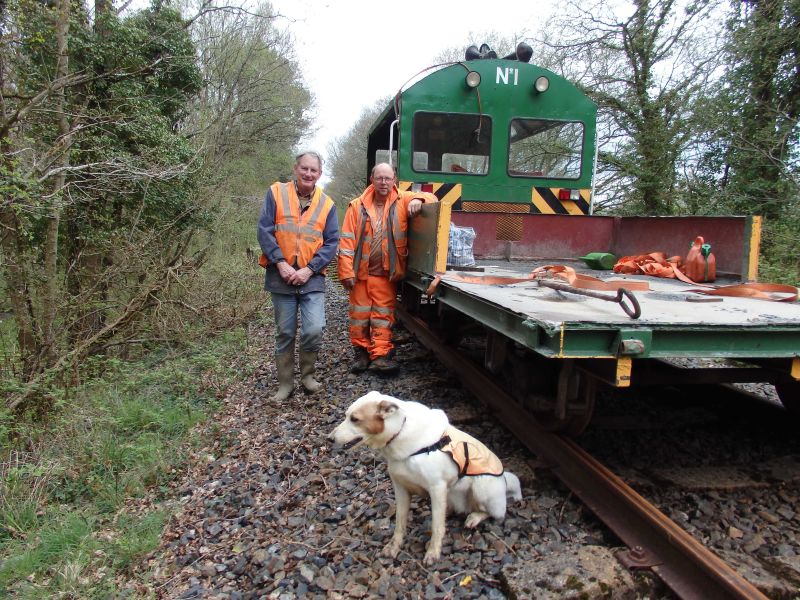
{"points": [[354, 52]]}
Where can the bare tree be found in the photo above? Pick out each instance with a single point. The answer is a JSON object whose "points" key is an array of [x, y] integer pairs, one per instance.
{"points": [[347, 157], [253, 95]]}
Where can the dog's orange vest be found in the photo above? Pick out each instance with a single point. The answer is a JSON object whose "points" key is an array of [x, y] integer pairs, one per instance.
{"points": [[471, 456]]}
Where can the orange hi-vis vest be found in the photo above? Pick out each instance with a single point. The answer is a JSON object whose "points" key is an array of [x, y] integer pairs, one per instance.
{"points": [[299, 236], [471, 456], [356, 234]]}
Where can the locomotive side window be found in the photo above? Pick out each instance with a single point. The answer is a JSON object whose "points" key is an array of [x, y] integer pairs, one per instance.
{"points": [[540, 148], [382, 156], [451, 143]]}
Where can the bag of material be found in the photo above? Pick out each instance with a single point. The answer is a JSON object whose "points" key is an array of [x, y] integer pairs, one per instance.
{"points": [[459, 247]]}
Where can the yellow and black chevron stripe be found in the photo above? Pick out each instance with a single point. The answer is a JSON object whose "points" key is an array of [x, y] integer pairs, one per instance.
{"points": [[545, 200], [445, 192]]}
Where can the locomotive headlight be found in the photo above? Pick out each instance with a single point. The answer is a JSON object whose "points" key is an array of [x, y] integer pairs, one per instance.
{"points": [[541, 84], [473, 79]]}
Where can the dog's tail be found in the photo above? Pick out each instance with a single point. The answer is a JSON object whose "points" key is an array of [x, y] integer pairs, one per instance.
{"points": [[513, 488]]}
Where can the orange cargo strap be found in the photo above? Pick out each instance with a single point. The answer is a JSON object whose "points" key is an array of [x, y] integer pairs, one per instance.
{"points": [[655, 264], [777, 292], [558, 272]]}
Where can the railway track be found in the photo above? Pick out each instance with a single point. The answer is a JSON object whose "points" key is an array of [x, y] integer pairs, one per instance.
{"points": [[654, 541]]}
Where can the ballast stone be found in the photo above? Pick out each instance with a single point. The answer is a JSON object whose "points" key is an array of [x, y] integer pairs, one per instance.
{"points": [[555, 577]]}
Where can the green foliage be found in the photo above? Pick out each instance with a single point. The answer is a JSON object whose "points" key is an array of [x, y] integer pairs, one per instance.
{"points": [[20, 499], [65, 543], [126, 430], [136, 537], [761, 99], [780, 262]]}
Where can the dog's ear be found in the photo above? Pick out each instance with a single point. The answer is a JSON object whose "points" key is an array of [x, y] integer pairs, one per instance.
{"points": [[386, 408]]}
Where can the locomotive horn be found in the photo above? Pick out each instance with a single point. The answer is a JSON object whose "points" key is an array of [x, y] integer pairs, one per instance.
{"points": [[472, 53], [487, 52], [523, 53]]}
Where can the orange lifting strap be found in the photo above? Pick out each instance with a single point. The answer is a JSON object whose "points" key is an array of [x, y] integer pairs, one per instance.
{"points": [[558, 272], [655, 264]]}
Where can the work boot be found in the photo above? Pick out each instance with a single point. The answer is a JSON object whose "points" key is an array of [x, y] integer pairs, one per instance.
{"points": [[384, 364], [307, 369], [285, 364], [361, 361]]}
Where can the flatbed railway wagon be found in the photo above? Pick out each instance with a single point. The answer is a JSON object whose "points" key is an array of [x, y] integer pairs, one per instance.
{"points": [[509, 148]]}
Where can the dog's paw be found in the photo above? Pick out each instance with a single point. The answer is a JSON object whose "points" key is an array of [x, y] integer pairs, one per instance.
{"points": [[474, 519], [391, 550], [431, 557]]}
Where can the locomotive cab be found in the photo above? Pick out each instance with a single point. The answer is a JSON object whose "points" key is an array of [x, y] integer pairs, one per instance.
{"points": [[503, 131]]}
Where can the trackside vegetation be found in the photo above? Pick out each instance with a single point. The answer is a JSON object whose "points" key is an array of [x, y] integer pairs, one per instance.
{"points": [[135, 148]]}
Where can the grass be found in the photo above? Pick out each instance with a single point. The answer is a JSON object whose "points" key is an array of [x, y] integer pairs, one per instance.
{"points": [[65, 483], [70, 474]]}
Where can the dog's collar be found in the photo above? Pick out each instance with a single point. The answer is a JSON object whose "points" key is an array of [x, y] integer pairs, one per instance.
{"points": [[396, 434], [443, 441]]}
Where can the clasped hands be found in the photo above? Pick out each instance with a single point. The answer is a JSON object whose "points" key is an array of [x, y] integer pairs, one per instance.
{"points": [[294, 276]]}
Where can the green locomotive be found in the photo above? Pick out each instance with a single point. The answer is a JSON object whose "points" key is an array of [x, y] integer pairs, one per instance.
{"points": [[509, 148]]}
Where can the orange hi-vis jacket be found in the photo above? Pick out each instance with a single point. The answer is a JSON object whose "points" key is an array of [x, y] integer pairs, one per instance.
{"points": [[471, 456], [356, 234], [299, 236]]}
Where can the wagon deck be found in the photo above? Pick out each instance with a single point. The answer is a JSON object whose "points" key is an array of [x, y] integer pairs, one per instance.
{"points": [[596, 337], [716, 326]]}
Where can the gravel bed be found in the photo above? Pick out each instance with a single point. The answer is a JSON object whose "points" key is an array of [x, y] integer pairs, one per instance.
{"points": [[270, 509]]}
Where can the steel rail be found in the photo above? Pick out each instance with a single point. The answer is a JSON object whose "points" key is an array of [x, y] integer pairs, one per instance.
{"points": [[690, 569]]}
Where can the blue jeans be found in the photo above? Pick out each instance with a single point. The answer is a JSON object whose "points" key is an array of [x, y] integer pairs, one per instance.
{"points": [[312, 320]]}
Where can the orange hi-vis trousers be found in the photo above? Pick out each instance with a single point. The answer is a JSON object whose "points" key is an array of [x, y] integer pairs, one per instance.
{"points": [[371, 315]]}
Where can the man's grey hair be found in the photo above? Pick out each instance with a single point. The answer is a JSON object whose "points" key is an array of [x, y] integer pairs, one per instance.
{"points": [[310, 153]]}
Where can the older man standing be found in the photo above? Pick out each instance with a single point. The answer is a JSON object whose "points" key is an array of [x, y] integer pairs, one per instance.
{"points": [[372, 259], [298, 232]]}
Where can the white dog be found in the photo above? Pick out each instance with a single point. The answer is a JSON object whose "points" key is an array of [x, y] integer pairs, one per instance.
{"points": [[422, 450]]}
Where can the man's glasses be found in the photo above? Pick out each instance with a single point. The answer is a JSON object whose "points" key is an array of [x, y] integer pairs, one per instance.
{"points": [[382, 179]]}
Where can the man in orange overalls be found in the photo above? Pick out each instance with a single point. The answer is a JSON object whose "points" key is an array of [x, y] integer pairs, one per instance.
{"points": [[372, 258]]}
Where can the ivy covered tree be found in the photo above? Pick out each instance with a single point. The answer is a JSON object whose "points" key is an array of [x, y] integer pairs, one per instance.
{"points": [[646, 64], [761, 98], [114, 126], [748, 162], [143, 176]]}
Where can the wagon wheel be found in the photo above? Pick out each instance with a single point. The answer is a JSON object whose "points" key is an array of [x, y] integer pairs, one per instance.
{"points": [[575, 400], [571, 425], [789, 393]]}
